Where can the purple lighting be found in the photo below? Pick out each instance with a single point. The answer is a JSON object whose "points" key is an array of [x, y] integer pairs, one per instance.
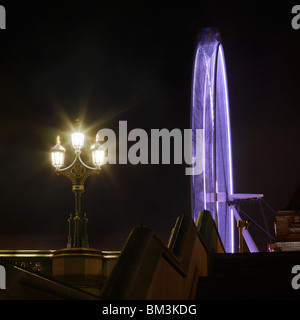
{"points": [[213, 188]]}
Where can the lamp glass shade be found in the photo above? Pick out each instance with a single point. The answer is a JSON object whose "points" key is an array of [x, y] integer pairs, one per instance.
{"points": [[98, 154], [58, 155], [58, 159], [77, 140]]}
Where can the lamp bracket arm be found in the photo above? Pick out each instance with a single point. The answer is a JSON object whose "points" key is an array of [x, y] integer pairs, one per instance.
{"points": [[78, 171]]}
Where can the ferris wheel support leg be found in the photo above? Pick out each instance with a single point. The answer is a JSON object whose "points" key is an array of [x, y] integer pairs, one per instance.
{"points": [[249, 241]]}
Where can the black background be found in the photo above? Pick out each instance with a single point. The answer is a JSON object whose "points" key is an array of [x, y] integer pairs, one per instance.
{"points": [[112, 61]]}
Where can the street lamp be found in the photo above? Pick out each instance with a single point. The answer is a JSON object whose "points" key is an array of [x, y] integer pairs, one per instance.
{"points": [[77, 141], [98, 154], [77, 173], [58, 154]]}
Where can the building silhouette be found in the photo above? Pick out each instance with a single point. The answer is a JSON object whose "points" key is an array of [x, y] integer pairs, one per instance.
{"points": [[192, 266]]}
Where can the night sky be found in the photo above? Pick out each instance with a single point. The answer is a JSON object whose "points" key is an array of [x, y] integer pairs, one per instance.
{"points": [[109, 61]]}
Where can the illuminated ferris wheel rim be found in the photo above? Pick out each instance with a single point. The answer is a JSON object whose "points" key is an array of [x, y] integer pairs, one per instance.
{"points": [[213, 189]]}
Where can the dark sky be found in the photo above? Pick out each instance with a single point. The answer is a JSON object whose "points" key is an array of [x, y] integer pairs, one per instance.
{"points": [[112, 61]]}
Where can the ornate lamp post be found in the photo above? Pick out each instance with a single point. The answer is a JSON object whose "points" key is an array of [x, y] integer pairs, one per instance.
{"points": [[77, 172]]}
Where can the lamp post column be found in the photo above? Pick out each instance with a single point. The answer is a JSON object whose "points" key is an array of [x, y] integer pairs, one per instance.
{"points": [[70, 243], [84, 239], [77, 233], [77, 218], [77, 191]]}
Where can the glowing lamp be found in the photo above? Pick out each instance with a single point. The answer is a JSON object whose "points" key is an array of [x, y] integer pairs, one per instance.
{"points": [[77, 140], [98, 154], [58, 154]]}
